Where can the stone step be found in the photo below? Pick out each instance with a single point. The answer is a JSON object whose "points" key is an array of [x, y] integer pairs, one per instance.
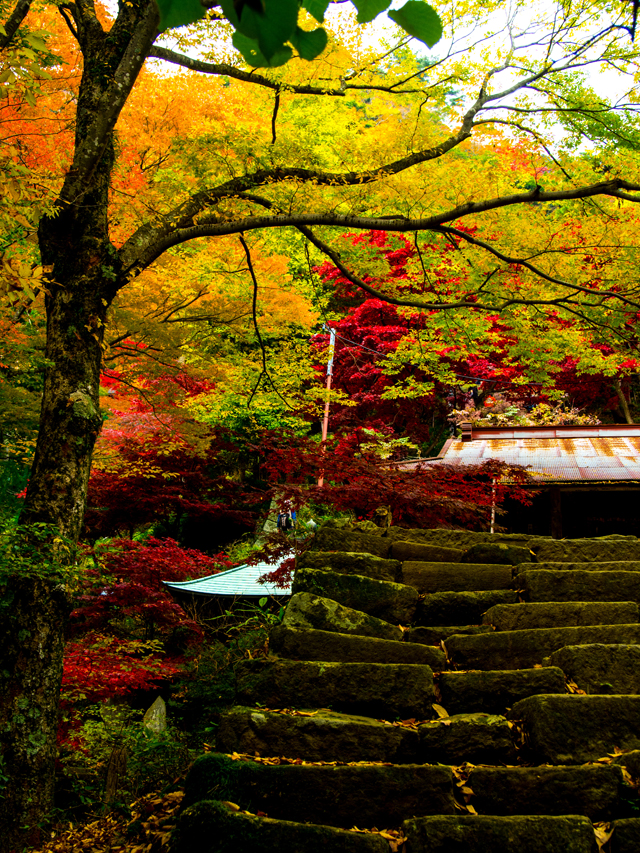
{"points": [[574, 729], [447, 608], [497, 834], [546, 585], [306, 610], [320, 735], [343, 539], [603, 566], [593, 791], [456, 577], [351, 563], [488, 552], [600, 668], [385, 690], [626, 836], [492, 692], [435, 636], [559, 614], [312, 645], [210, 826], [477, 738], [523, 649], [462, 539], [391, 602], [431, 553], [363, 795], [585, 550]]}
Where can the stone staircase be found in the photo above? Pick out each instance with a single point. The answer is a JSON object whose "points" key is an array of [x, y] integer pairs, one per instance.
{"points": [[435, 692]]}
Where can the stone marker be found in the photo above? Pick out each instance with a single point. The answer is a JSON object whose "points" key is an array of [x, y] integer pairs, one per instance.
{"points": [[155, 718]]}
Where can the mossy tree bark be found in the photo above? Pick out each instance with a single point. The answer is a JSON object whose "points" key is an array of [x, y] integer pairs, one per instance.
{"points": [[84, 277]]}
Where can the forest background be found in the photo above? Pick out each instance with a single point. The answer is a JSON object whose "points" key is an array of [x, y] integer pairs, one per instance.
{"points": [[464, 219]]}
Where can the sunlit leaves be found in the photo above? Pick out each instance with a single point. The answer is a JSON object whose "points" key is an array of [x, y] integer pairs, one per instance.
{"points": [[419, 20]]}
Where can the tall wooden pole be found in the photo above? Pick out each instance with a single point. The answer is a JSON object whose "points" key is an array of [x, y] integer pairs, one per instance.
{"points": [[325, 419]]}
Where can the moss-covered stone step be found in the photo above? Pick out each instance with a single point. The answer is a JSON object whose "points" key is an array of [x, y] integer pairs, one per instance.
{"points": [[547, 585], [593, 790], [335, 539], [466, 608], [316, 736], [560, 614], [392, 602], [626, 836], [456, 577], [351, 563], [364, 795], [492, 692], [491, 834], [306, 610], [600, 668], [523, 649], [384, 690], [497, 553], [211, 827], [601, 566], [402, 550], [309, 644], [586, 550], [478, 738], [434, 636], [573, 729], [462, 539]]}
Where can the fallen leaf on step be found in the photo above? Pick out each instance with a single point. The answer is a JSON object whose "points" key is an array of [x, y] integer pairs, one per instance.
{"points": [[603, 832], [440, 711]]}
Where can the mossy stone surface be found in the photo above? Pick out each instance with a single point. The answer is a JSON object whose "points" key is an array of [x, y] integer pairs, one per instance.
{"points": [[332, 539], [352, 563], [478, 738], [316, 736], [593, 791], [306, 644], [455, 577], [499, 553], [574, 729], [492, 692], [525, 648], [464, 608], [586, 550], [601, 668], [210, 827], [383, 690], [626, 836], [392, 602], [560, 614], [434, 636], [404, 550], [558, 585], [484, 834], [372, 795], [306, 610]]}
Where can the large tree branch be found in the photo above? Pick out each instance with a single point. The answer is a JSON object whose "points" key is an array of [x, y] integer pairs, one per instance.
{"points": [[13, 22], [226, 70], [149, 243]]}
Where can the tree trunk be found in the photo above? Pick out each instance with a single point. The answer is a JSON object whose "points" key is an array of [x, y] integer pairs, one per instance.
{"points": [[624, 404], [32, 612]]}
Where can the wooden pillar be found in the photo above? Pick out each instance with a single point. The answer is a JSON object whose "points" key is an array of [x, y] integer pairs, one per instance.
{"points": [[555, 504]]}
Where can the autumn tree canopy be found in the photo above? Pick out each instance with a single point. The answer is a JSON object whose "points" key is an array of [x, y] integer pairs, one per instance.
{"points": [[134, 160]]}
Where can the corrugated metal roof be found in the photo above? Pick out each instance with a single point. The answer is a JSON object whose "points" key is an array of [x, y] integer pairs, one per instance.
{"points": [[595, 454], [241, 581]]}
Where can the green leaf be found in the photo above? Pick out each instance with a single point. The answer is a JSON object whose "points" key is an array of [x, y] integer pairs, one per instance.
{"points": [[273, 27], [370, 9], [177, 13], [316, 8], [251, 52], [309, 44], [419, 20]]}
